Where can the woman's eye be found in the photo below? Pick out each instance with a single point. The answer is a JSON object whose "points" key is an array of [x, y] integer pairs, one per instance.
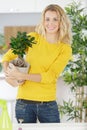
{"points": [[55, 19], [47, 19]]}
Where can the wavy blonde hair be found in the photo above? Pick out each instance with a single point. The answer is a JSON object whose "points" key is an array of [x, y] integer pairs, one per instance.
{"points": [[64, 32]]}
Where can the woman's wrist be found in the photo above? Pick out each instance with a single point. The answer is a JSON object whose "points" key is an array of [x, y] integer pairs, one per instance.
{"points": [[23, 76], [27, 76], [33, 77], [30, 77]]}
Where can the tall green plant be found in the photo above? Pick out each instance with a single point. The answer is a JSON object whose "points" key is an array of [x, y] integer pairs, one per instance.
{"points": [[78, 66], [76, 74]]}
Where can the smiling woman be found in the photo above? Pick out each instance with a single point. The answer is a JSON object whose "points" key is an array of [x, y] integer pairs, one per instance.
{"points": [[51, 24], [36, 97]]}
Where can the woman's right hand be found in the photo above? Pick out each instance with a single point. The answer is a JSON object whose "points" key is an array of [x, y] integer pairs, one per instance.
{"points": [[10, 79], [13, 82]]}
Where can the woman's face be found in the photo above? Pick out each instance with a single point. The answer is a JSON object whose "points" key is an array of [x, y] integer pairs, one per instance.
{"points": [[51, 22]]}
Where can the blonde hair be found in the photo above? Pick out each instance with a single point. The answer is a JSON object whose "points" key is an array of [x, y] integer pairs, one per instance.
{"points": [[64, 32]]}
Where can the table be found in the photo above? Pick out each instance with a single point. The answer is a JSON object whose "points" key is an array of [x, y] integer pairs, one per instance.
{"points": [[52, 126]]}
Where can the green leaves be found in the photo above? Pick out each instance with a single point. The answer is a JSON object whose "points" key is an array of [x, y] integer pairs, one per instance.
{"points": [[21, 42], [85, 104], [77, 74], [2, 40], [69, 110], [0, 67]]}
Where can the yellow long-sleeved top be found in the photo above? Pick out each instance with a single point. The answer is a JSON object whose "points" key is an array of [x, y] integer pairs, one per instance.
{"points": [[47, 59]]}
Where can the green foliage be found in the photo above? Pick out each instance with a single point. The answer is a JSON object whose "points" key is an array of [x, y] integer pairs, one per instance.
{"points": [[85, 104], [3, 47], [0, 67], [2, 40], [77, 74], [21, 42], [69, 109]]}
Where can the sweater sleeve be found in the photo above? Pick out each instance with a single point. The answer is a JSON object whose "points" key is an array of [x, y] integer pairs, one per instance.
{"points": [[52, 74], [8, 56]]}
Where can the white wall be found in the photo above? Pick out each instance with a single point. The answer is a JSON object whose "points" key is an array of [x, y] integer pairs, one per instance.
{"points": [[30, 5], [18, 19]]}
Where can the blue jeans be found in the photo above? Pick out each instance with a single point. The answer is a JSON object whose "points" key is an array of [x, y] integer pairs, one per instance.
{"points": [[45, 112]]}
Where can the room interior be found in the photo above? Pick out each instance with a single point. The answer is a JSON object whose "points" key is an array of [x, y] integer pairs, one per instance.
{"points": [[12, 22]]}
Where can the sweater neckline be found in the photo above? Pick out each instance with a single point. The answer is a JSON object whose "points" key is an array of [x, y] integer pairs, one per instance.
{"points": [[51, 44]]}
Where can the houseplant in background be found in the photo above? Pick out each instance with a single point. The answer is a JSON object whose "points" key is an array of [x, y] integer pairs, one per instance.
{"points": [[75, 74], [3, 48], [19, 45], [0, 67]]}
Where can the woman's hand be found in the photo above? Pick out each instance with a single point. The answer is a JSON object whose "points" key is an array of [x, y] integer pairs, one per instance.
{"points": [[14, 82], [13, 76]]}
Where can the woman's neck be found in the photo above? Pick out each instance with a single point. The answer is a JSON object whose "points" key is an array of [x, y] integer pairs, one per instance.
{"points": [[51, 38]]}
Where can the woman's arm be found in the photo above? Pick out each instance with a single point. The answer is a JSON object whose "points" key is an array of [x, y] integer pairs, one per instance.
{"points": [[33, 77], [49, 76], [13, 72], [30, 77]]}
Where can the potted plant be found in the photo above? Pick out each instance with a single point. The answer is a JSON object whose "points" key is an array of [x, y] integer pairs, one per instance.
{"points": [[19, 45], [3, 48], [75, 74]]}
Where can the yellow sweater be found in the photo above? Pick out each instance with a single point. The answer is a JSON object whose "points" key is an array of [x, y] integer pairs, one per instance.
{"points": [[46, 59]]}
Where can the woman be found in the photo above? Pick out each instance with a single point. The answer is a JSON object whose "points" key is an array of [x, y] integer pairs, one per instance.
{"points": [[36, 97]]}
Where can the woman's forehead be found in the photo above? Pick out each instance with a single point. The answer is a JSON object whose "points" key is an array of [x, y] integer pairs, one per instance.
{"points": [[51, 13]]}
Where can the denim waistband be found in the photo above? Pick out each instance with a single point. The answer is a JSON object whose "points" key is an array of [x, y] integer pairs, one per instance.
{"points": [[33, 102]]}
